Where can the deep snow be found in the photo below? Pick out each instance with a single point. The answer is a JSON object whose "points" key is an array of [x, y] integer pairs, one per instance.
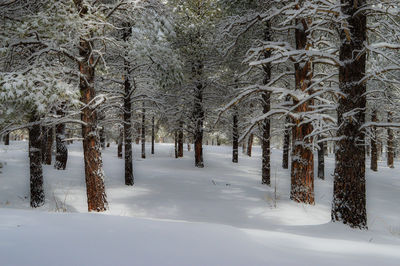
{"points": [[219, 215]]}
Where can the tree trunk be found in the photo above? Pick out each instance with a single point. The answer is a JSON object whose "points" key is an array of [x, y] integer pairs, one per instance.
{"points": [[199, 120], [235, 136], [7, 139], [244, 148], [180, 139], [102, 138], [250, 144], [137, 140], [286, 145], [390, 143], [321, 159], [266, 103], [143, 138], [153, 137], [49, 146], [35, 162], [176, 144], [43, 137], [374, 146], [188, 144], [302, 172], [128, 90], [349, 199], [61, 147], [120, 142]]}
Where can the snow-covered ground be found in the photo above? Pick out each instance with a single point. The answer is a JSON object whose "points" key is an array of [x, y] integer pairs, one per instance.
{"points": [[179, 215]]}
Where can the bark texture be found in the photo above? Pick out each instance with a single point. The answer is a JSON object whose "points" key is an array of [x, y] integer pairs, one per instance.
{"points": [[143, 137], [61, 147], [35, 163], [235, 136], [128, 90], [120, 143], [321, 160], [7, 139], [266, 104], [374, 146], [349, 199], [302, 170], [390, 143], [153, 137], [94, 175], [180, 139], [49, 146], [250, 141]]}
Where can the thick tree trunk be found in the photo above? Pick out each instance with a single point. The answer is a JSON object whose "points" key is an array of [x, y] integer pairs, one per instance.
{"points": [[302, 172], [321, 160], [390, 142], [153, 137], [349, 199], [143, 138], [49, 146], [35, 162], [374, 146], [94, 174], [235, 136], [180, 139], [250, 144], [128, 90], [61, 147], [7, 139], [102, 138]]}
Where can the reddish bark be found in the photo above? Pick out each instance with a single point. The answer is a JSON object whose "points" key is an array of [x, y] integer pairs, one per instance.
{"points": [[302, 171], [349, 195]]}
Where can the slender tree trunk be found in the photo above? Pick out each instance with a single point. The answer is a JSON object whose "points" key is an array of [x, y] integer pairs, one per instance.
{"points": [[244, 148], [143, 138], [250, 144], [180, 139], [35, 161], [61, 147], [235, 136], [302, 172], [374, 147], [390, 143], [266, 103], [7, 139], [137, 140], [286, 145], [128, 90], [349, 196], [321, 160], [188, 144], [176, 144], [153, 137], [199, 120], [120, 142]]}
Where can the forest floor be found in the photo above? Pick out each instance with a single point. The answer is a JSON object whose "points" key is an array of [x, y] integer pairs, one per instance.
{"points": [[177, 214]]}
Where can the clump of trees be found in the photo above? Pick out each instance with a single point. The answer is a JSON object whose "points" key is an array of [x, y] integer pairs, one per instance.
{"points": [[313, 72]]}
